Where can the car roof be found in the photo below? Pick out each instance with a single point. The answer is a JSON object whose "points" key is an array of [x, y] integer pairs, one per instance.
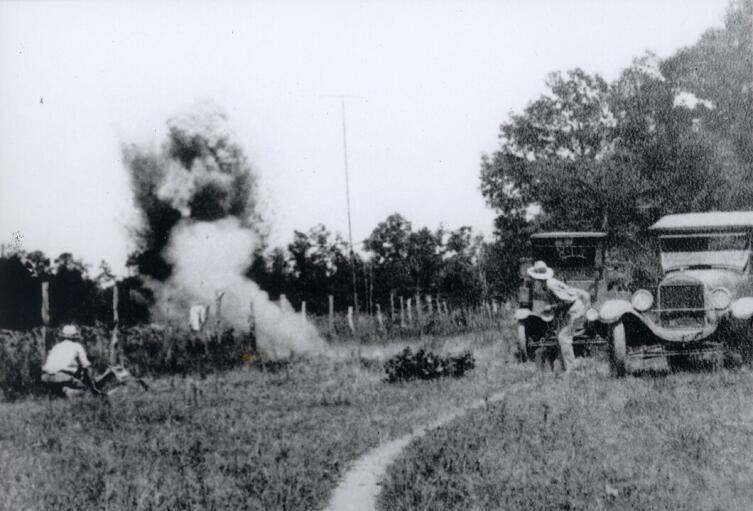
{"points": [[707, 222], [568, 234]]}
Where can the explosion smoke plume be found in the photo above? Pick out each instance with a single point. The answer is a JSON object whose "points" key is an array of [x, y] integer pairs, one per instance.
{"points": [[210, 257], [201, 226]]}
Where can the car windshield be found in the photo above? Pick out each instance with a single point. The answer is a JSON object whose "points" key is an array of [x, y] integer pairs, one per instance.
{"points": [[568, 257], [704, 250]]}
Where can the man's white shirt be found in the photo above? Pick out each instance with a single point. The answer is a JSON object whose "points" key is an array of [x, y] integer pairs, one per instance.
{"points": [[580, 299], [66, 356]]}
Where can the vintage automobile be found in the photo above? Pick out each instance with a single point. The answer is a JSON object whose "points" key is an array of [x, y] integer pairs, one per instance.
{"points": [[577, 259], [704, 302]]}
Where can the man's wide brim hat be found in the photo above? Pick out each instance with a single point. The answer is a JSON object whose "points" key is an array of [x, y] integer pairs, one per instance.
{"points": [[70, 332], [540, 271]]}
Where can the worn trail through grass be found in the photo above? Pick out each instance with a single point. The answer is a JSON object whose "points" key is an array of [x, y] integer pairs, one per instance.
{"points": [[360, 487]]}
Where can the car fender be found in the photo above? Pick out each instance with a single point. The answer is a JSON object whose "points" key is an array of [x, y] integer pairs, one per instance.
{"points": [[612, 310], [524, 314], [742, 308]]}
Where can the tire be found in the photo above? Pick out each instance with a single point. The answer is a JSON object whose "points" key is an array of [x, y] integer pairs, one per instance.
{"points": [[522, 343], [618, 349], [679, 363], [710, 362]]}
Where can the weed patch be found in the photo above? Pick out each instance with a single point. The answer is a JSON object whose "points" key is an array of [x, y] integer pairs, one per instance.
{"points": [[425, 365]]}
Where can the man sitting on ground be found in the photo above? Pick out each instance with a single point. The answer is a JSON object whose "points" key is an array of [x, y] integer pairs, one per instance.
{"points": [[67, 369]]}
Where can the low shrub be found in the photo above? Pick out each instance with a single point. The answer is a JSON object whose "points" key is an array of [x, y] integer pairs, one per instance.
{"points": [[425, 365]]}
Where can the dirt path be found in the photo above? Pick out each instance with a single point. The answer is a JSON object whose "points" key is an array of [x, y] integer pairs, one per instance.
{"points": [[360, 487]]}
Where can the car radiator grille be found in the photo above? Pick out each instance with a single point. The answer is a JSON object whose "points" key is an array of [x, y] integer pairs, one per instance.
{"points": [[682, 305]]}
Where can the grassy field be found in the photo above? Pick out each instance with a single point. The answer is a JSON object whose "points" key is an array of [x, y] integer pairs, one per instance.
{"points": [[588, 441], [244, 439]]}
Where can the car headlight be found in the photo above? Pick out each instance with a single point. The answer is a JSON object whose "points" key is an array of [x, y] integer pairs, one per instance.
{"points": [[720, 298], [642, 300], [592, 315]]}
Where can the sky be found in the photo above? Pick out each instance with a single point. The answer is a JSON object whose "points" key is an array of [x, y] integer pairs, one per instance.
{"points": [[430, 83]]}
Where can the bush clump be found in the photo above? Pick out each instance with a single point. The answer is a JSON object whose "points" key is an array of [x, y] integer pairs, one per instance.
{"points": [[425, 365]]}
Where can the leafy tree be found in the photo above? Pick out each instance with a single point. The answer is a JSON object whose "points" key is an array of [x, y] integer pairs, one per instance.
{"points": [[39, 264], [279, 273], [389, 244], [718, 72], [552, 170], [553, 155], [73, 296], [460, 276], [20, 295], [424, 259]]}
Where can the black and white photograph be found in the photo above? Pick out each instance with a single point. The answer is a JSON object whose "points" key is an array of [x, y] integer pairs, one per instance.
{"points": [[370, 255]]}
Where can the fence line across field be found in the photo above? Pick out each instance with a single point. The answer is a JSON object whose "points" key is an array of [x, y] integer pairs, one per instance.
{"points": [[415, 314]]}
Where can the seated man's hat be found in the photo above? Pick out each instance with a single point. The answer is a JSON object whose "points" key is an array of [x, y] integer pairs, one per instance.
{"points": [[540, 271], [70, 332]]}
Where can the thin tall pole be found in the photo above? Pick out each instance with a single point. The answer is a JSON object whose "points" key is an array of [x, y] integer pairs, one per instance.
{"points": [[347, 197]]}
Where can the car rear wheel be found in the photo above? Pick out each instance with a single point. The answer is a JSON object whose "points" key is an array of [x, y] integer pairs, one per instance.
{"points": [[618, 349]]}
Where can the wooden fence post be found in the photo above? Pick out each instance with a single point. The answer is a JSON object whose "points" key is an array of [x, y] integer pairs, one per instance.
{"points": [[331, 314], [410, 314], [429, 305], [252, 320], [350, 320], [218, 313], [303, 308], [392, 306], [402, 313], [380, 320], [115, 324], [45, 312], [418, 309]]}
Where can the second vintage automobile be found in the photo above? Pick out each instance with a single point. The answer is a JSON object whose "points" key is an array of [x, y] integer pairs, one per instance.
{"points": [[577, 258], [703, 306]]}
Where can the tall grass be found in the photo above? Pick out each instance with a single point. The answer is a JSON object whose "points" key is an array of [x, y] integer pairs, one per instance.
{"points": [[369, 330], [240, 439], [173, 349], [591, 442], [147, 350]]}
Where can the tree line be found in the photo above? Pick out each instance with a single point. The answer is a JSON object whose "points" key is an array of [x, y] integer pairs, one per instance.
{"points": [[455, 266], [396, 260]]}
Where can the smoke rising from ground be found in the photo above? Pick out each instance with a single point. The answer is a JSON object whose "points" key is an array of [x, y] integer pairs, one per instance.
{"points": [[200, 227], [211, 256]]}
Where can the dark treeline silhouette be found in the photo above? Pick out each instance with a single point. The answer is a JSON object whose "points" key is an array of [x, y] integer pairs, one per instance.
{"points": [[456, 267], [74, 296], [394, 261]]}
